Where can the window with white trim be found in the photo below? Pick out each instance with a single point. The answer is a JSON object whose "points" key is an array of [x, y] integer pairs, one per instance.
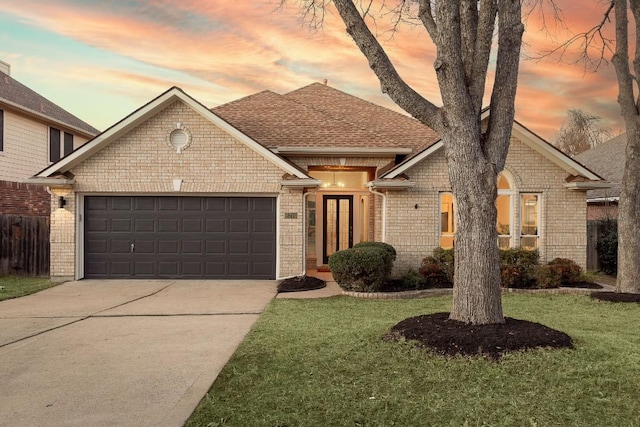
{"points": [[507, 219], [504, 207], [447, 220], [529, 221]]}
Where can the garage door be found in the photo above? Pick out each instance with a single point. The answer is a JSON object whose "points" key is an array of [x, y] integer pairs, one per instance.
{"points": [[180, 237]]}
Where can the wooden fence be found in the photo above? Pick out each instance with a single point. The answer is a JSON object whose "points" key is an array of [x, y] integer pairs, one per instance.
{"points": [[24, 245]]}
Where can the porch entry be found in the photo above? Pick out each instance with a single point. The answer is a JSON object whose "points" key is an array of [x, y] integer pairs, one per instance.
{"points": [[337, 213]]}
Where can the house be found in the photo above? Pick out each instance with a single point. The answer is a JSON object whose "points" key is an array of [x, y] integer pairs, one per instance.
{"points": [[607, 160], [34, 133], [268, 185]]}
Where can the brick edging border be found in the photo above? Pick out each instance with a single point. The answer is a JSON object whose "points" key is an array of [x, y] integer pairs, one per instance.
{"points": [[424, 293]]}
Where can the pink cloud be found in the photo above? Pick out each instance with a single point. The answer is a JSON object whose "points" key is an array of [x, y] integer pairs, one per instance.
{"points": [[239, 48]]}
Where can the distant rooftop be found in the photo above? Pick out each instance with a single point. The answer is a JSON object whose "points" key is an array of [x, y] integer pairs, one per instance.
{"points": [[607, 160], [19, 96]]}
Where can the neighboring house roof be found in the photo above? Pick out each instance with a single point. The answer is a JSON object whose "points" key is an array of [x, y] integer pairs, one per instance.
{"points": [[526, 136], [323, 118], [607, 159], [143, 114], [17, 95]]}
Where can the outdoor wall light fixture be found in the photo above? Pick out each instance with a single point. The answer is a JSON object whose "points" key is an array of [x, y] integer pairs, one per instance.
{"points": [[61, 202]]}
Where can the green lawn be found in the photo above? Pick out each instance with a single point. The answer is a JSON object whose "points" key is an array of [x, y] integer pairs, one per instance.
{"points": [[323, 363], [14, 286]]}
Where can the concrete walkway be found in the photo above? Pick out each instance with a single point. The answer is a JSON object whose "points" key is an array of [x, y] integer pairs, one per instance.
{"points": [[120, 353]]}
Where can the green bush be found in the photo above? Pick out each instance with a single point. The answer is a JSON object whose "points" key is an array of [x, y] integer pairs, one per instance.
{"points": [[385, 246], [559, 272], [518, 267], [607, 246], [361, 269], [413, 280]]}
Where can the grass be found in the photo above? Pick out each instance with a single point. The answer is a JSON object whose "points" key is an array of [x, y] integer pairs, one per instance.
{"points": [[15, 286], [322, 362]]}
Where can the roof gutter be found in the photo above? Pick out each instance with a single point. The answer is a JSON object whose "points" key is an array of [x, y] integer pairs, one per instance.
{"points": [[343, 151], [589, 185], [29, 111], [300, 183], [390, 185], [50, 182]]}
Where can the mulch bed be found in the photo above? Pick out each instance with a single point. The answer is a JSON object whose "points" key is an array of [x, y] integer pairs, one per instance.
{"points": [[584, 285], [452, 338], [616, 297], [301, 283]]}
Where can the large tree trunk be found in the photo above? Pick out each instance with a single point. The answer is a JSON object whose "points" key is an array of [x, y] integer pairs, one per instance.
{"points": [[629, 207], [476, 292], [629, 215], [463, 32]]}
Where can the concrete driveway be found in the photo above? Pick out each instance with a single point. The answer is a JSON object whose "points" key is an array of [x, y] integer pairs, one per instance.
{"points": [[120, 352]]}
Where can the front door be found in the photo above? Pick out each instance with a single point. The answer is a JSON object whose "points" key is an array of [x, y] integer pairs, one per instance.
{"points": [[337, 224]]}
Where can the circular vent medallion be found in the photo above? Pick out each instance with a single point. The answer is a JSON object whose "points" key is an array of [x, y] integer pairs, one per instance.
{"points": [[180, 138]]}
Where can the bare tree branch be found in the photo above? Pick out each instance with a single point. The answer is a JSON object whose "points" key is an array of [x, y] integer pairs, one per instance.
{"points": [[391, 82], [482, 49], [510, 29], [426, 16], [587, 42]]}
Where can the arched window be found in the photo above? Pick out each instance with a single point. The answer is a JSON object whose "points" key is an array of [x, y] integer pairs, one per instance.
{"points": [[504, 205]]}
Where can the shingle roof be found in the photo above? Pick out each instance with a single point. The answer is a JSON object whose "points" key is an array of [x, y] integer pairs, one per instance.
{"points": [[388, 124], [14, 93], [607, 160], [320, 116]]}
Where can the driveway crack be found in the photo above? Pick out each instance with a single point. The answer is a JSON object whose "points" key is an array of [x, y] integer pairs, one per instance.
{"points": [[96, 314]]}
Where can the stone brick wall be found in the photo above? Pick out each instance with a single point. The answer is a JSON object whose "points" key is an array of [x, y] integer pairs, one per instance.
{"points": [[63, 236], [143, 162], [414, 232], [17, 198]]}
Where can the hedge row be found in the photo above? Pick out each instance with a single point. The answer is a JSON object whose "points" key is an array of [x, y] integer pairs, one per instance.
{"points": [[519, 268]]}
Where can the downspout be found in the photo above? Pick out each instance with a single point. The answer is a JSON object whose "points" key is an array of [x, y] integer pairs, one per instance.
{"points": [[384, 211]]}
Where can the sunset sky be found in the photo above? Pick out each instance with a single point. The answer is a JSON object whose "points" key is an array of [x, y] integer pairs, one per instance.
{"points": [[101, 60]]}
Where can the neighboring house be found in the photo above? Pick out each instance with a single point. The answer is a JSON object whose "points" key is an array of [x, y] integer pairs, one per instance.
{"points": [[268, 185], [607, 160], [34, 133]]}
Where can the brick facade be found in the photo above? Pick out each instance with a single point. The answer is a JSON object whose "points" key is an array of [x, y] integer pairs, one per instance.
{"points": [[142, 162], [17, 198], [215, 163], [414, 232]]}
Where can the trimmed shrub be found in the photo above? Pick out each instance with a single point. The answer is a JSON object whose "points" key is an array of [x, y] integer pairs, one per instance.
{"points": [[518, 267], [384, 246], [547, 277], [446, 258], [434, 273], [362, 269], [559, 272], [413, 280], [569, 271]]}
